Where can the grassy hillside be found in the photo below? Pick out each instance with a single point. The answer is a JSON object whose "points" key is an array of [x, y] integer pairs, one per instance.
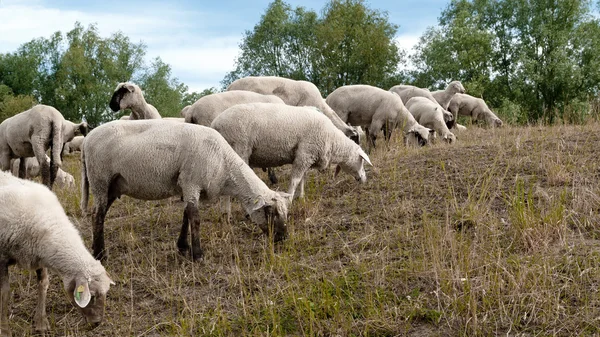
{"points": [[495, 235]]}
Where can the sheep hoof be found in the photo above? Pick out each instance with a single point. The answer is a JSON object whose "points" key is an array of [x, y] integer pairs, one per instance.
{"points": [[198, 255], [41, 324]]}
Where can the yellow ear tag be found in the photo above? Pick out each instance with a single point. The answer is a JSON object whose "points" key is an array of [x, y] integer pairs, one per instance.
{"points": [[79, 291]]}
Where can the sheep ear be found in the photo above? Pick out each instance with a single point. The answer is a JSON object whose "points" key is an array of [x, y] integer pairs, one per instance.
{"points": [[258, 203], [129, 87], [81, 294], [364, 156], [337, 170]]}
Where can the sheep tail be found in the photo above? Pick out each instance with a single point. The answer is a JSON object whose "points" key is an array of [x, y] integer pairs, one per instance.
{"points": [[85, 183], [55, 149]]}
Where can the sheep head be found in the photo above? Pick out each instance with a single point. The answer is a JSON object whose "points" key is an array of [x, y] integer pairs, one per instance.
{"points": [[419, 136], [270, 214], [88, 294], [70, 130], [455, 87], [354, 165], [122, 98]]}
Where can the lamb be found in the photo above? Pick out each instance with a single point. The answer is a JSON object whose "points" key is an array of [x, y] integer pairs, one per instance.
{"points": [[32, 170], [36, 234], [296, 93], [208, 107], [129, 96], [375, 108], [443, 97], [430, 115], [153, 160], [73, 145], [31, 133], [467, 105], [270, 135]]}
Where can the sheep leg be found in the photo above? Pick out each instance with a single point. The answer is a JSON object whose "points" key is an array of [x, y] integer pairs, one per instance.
{"points": [[4, 298], [98, 230], [37, 143], [22, 168], [301, 187], [272, 177], [225, 205], [40, 321], [182, 243], [194, 219], [298, 171]]}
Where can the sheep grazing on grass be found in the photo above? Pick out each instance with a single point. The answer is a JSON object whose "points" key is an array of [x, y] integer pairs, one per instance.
{"points": [[430, 115], [74, 145], [375, 108], [129, 96], [443, 97], [153, 160], [32, 170], [406, 92], [296, 93], [467, 105], [30, 134], [271, 135], [208, 107], [36, 234]]}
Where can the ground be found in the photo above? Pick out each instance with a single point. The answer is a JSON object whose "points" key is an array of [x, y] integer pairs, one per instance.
{"points": [[494, 235]]}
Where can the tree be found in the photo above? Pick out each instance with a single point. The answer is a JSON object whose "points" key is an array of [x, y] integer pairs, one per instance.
{"points": [[161, 90], [11, 104]]}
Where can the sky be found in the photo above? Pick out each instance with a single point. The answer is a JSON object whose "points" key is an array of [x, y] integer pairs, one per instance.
{"points": [[199, 39]]}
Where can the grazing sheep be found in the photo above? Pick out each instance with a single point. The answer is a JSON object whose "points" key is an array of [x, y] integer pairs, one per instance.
{"points": [[430, 115], [73, 145], [296, 93], [270, 135], [406, 92], [208, 107], [36, 234], [375, 108], [153, 160], [467, 105], [31, 133], [443, 97], [130, 96], [32, 170], [184, 111]]}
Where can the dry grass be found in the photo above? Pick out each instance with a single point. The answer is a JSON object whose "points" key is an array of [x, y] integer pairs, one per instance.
{"points": [[496, 235]]}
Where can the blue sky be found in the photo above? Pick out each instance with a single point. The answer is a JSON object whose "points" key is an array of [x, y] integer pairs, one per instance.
{"points": [[199, 39]]}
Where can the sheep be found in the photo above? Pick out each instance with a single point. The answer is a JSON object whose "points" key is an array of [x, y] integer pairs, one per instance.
{"points": [[184, 111], [36, 234], [151, 160], [204, 110], [375, 108], [32, 170], [71, 130], [73, 145], [31, 133], [296, 93], [407, 92], [467, 105], [270, 135], [129, 96], [430, 115], [443, 97]]}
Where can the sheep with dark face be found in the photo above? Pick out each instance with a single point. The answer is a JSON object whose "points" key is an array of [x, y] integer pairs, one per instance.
{"points": [[36, 234], [375, 108], [157, 159], [30, 134], [130, 96]]}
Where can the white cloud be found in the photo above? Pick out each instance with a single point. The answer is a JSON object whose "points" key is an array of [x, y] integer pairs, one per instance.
{"points": [[197, 61]]}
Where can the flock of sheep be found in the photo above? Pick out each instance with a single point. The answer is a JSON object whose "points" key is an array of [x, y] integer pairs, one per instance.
{"points": [[259, 122]]}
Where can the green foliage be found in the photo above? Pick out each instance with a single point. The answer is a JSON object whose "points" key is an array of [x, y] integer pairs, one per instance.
{"points": [[163, 91], [11, 105], [540, 55], [349, 44]]}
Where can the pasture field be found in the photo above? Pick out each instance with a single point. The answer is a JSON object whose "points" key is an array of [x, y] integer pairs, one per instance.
{"points": [[496, 235]]}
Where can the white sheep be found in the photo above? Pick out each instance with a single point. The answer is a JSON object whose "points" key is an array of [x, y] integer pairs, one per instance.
{"points": [[151, 160], [184, 111], [208, 107], [129, 96], [74, 145], [375, 108], [406, 92], [271, 135], [443, 97], [31, 133], [32, 170], [430, 115], [36, 234], [296, 93], [467, 105]]}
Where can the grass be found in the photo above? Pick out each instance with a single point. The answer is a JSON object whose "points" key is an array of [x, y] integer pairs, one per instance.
{"points": [[496, 235]]}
